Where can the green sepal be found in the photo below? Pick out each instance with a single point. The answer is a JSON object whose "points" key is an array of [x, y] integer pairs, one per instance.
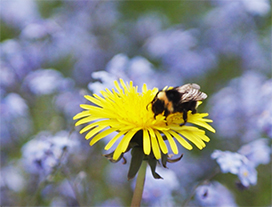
{"points": [[164, 160], [153, 163], [136, 161]]}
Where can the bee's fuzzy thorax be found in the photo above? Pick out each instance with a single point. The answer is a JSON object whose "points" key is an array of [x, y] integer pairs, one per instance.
{"points": [[162, 95]]}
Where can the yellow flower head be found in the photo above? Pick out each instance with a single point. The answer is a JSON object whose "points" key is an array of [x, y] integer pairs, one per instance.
{"points": [[124, 110]]}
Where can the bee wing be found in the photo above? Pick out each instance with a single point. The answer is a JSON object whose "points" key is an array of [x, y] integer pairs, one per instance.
{"points": [[190, 92]]}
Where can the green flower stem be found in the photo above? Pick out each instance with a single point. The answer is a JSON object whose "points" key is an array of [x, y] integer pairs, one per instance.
{"points": [[138, 192]]}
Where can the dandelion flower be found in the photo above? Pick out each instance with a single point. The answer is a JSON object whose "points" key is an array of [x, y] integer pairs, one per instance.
{"points": [[128, 112]]}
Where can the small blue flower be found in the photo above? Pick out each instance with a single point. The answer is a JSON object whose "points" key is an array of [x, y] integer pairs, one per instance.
{"points": [[148, 25], [178, 51], [237, 164], [18, 13], [247, 174], [257, 152], [264, 122], [138, 69], [228, 161], [15, 57], [45, 152], [228, 122], [214, 194], [15, 118], [158, 192], [44, 81], [259, 7], [64, 104], [12, 178]]}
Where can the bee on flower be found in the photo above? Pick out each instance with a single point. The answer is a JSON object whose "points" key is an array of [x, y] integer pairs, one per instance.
{"points": [[129, 113]]}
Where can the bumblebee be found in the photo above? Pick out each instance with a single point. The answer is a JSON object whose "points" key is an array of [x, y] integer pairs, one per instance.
{"points": [[178, 99]]}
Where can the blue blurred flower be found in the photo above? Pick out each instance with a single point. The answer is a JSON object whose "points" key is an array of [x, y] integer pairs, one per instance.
{"points": [[264, 121], [237, 164], [232, 30], [257, 152], [15, 118], [18, 13], [241, 103], [138, 69], [58, 201], [253, 53], [148, 25], [7, 77], [64, 104], [105, 81], [66, 188], [247, 174], [158, 192], [44, 81], [16, 59], [259, 7], [45, 151], [12, 178], [179, 52], [214, 194], [229, 161], [116, 174]]}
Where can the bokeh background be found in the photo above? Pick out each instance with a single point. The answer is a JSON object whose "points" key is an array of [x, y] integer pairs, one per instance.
{"points": [[54, 52]]}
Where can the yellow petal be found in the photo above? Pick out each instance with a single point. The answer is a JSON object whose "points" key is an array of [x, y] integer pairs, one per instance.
{"points": [[197, 119], [93, 100], [94, 131], [81, 115], [85, 120], [88, 107], [144, 88], [125, 87], [117, 86], [127, 139], [161, 142], [181, 140], [154, 144], [190, 136], [114, 139], [171, 141], [122, 146], [146, 142], [89, 126], [101, 135]]}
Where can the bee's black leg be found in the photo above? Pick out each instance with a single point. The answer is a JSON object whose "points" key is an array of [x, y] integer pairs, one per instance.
{"points": [[184, 117], [166, 113], [193, 111]]}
